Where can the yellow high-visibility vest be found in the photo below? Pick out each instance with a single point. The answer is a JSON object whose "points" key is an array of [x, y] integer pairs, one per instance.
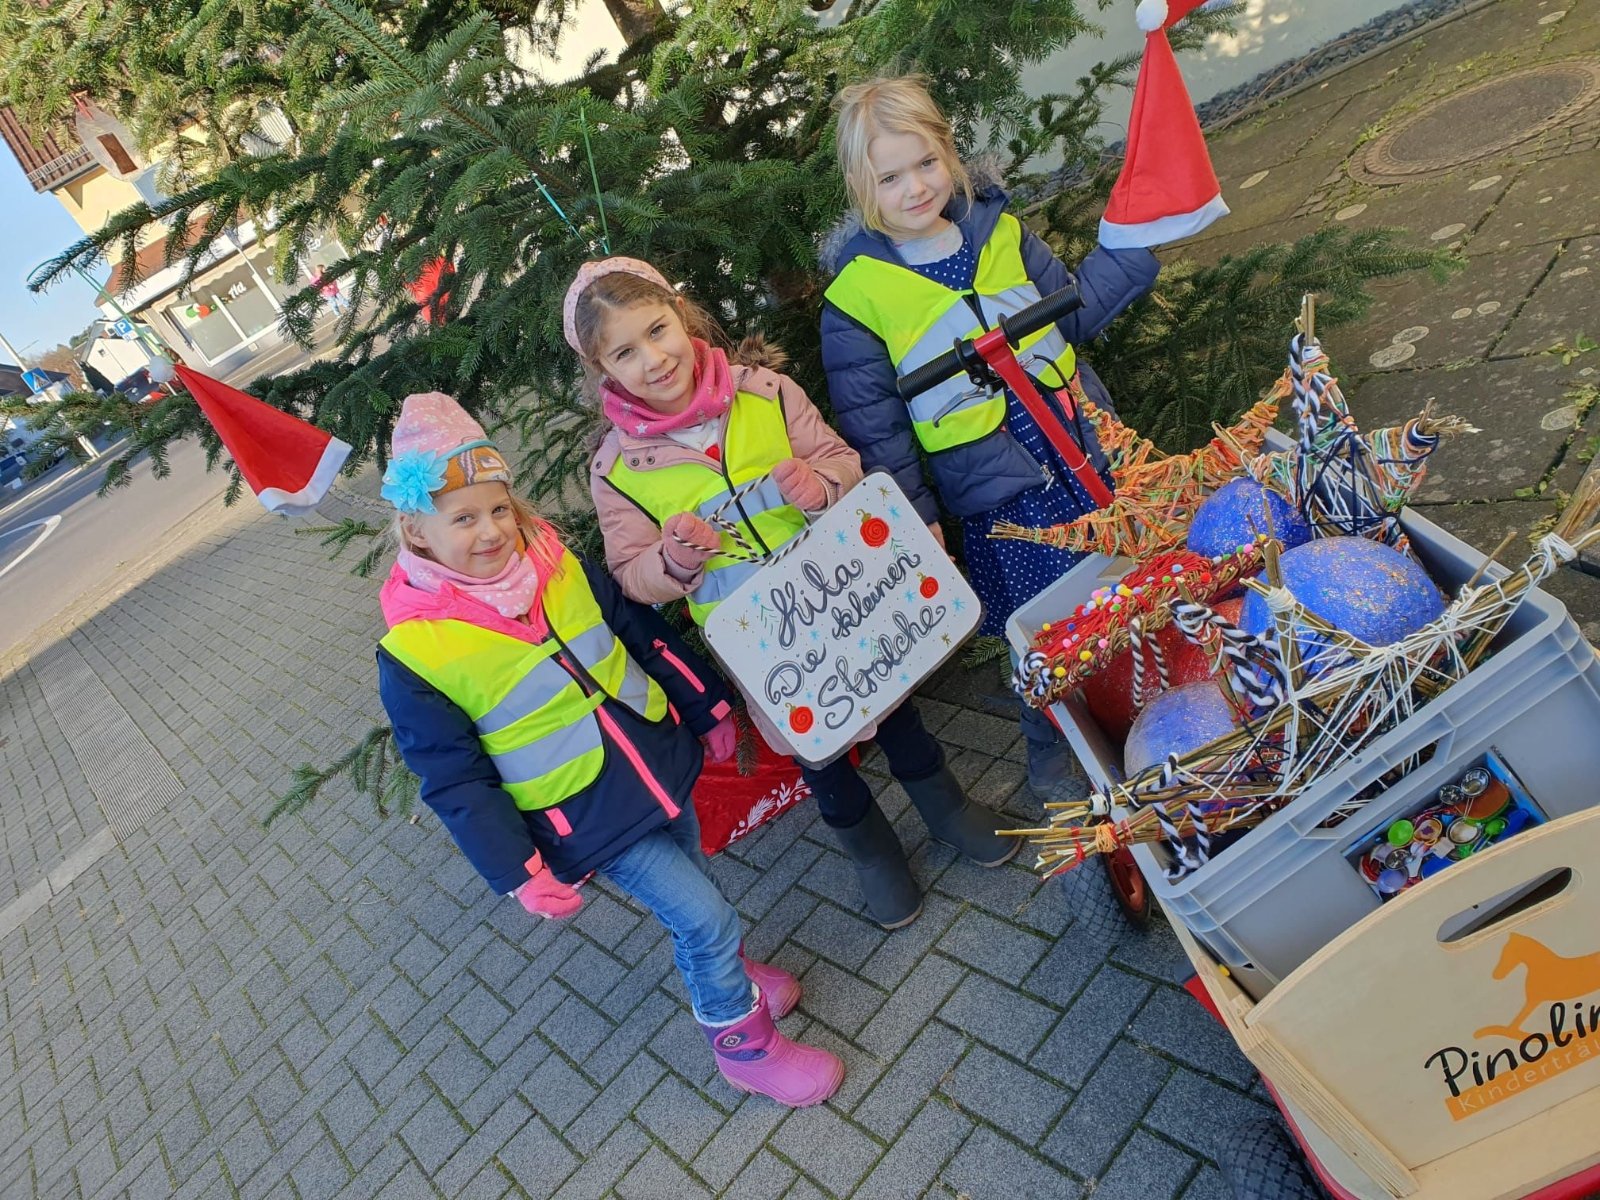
{"points": [[757, 439], [919, 319], [533, 716]]}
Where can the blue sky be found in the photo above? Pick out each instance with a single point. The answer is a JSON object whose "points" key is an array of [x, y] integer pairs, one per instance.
{"points": [[36, 227]]}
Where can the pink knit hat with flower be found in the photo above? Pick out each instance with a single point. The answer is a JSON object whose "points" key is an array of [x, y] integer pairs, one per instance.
{"points": [[437, 447], [591, 271]]}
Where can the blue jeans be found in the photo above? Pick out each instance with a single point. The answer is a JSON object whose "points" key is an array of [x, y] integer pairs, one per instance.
{"points": [[667, 873]]}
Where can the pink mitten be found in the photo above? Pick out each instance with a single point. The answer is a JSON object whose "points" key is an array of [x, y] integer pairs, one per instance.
{"points": [[687, 542], [720, 740], [546, 896], [801, 485]]}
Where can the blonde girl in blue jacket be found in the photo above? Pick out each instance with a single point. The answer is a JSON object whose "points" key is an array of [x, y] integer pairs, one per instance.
{"points": [[929, 256]]}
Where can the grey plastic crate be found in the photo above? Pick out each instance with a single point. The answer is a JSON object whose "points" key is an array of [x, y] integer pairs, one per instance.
{"points": [[1270, 901]]}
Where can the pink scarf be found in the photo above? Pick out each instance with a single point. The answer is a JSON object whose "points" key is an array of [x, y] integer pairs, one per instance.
{"points": [[713, 393], [514, 592]]}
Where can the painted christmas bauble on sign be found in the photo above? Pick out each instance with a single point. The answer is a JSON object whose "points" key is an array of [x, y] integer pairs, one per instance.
{"points": [[1369, 590], [1177, 722], [1236, 512], [1109, 693]]}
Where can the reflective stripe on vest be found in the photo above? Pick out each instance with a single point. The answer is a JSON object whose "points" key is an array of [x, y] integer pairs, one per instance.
{"points": [[757, 438], [533, 717], [919, 319]]}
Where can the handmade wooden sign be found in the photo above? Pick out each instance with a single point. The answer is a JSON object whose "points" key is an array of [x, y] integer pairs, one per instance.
{"points": [[845, 621]]}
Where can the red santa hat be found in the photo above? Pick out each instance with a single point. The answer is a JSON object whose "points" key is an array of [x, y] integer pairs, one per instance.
{"points": [[1167, 189], [288, 463]]}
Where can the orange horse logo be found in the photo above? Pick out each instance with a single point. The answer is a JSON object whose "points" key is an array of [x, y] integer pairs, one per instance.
{"points": [[1550, 978]]}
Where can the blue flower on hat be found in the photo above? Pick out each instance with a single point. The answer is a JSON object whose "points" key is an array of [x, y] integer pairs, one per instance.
{"points": [[411, 480]]}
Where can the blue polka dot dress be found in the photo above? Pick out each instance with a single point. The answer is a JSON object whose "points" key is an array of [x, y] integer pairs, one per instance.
{"points": [[1007, 574]]}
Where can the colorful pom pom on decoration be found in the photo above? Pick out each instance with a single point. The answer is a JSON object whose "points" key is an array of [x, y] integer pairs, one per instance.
{"points": [[411, 480]]}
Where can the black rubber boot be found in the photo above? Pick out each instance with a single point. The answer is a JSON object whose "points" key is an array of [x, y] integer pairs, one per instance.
{"points": [[893, 898], [1052, 770], [959, 823]]}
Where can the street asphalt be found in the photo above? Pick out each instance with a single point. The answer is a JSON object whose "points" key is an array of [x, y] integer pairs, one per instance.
{"points": [[45, 563]]}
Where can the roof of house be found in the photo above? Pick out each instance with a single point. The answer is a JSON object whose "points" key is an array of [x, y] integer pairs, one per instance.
{"points": [[48, 158]]}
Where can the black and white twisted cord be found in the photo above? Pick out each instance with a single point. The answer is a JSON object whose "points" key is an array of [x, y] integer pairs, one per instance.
{"points": [[1252, 665], [1202, 833], [1031, 677], [1184, 859], [742, 550], [1136, 648]]}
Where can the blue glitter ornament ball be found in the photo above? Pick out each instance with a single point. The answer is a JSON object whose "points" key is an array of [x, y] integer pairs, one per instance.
{"points": [[1176, 722], [1233, 514], [1372, 591]]}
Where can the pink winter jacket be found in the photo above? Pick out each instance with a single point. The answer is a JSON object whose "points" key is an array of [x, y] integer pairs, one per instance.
{"points": [[633, 540]]}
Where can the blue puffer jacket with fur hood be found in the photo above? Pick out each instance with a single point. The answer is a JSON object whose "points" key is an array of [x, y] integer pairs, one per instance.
{"points": [[982, 475]]}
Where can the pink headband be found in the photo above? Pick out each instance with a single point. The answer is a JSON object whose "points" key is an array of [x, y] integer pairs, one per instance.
{"points": [[587, 274]]}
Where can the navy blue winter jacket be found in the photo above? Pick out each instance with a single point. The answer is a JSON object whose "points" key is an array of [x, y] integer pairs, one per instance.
{"points": [[985, 474], [460, 783]]}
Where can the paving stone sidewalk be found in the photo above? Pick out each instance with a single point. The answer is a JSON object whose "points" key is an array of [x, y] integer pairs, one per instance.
{"points": [[336, 1006], [195, 1006]]}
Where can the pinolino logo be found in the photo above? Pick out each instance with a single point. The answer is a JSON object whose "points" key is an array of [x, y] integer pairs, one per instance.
{"points": [[1566, 1036]]}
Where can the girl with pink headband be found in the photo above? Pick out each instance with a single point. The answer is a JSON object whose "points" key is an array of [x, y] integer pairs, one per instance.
{"points": [[690, 426]]}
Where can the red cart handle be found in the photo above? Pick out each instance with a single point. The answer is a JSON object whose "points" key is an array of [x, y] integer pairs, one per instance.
{"points": [[990, 359]]}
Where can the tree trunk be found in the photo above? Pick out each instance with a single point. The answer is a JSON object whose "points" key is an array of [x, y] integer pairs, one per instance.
{"points": [[638, 19]]}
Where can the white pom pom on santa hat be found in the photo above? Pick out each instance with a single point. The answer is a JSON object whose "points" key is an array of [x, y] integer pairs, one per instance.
{"points": [[1151, 15], [1160, 14]]}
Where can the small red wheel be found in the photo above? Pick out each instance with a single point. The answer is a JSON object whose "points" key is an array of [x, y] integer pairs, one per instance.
{"points": [[1127, 883]]}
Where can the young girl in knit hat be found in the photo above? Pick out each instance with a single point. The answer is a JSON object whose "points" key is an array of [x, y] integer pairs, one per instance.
{"points": [[556, 728], [689, 428]]}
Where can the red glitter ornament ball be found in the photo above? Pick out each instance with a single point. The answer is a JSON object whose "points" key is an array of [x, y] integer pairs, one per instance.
{"points": [[1109, 694]]}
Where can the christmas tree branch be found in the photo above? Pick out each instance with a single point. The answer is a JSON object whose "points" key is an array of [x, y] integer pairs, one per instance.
{"points": [[373, 768]]}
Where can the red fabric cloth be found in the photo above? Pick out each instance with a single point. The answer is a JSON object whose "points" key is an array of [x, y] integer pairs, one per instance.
{"points": [[431, 289], [731, 805]]}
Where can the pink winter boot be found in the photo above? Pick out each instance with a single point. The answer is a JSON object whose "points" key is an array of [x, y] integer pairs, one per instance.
{"points": [[754, 1057], [781, 989]]}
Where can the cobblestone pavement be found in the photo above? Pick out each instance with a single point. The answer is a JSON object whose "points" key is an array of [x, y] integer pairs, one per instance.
{"points": [[336, 1007], [194, 1006]]}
